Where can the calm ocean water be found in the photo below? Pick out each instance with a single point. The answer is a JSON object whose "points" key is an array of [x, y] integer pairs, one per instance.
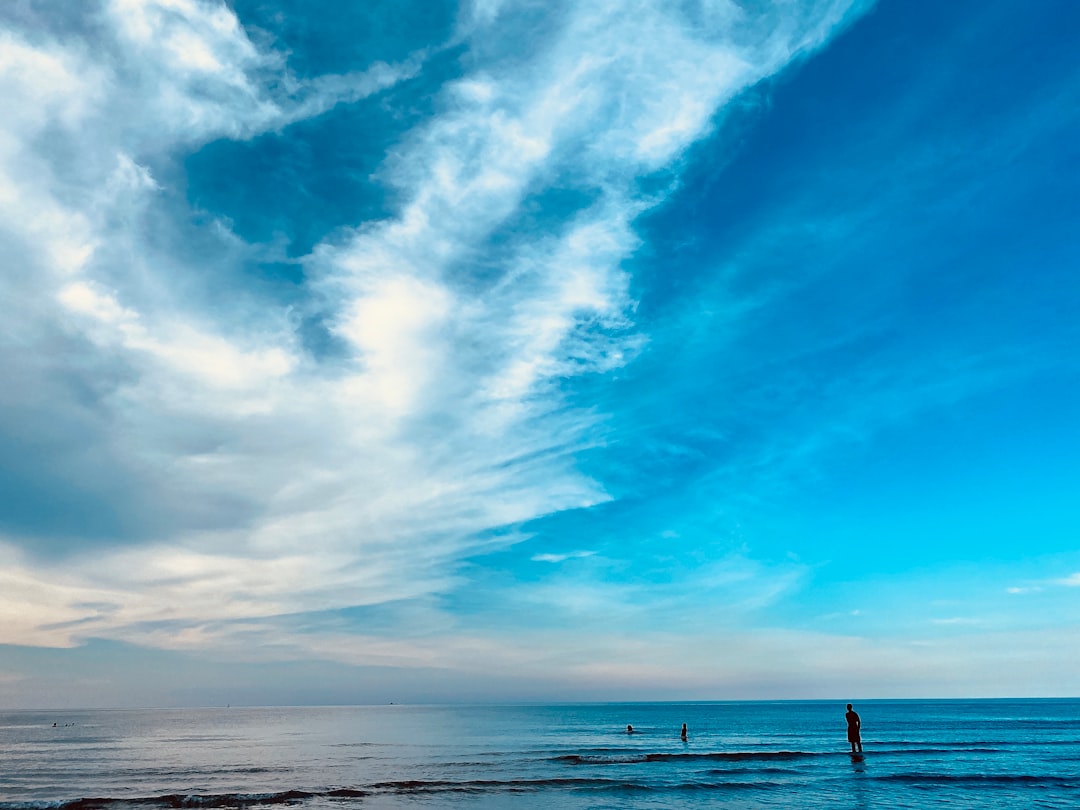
{"points": [[918, 754]]}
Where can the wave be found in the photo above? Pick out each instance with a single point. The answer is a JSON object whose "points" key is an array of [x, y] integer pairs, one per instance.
{"points": [[177, 801], [715, 756], [757, 772], [590, 785], [173, 800], [506, 786], [979, 745], [974, 779], [886, 748]]}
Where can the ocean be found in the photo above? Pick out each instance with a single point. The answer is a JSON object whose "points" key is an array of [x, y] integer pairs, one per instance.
{"points": [[918, 754]]}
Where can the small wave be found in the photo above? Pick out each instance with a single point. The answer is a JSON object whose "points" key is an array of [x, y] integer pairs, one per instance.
{"points": [[734, 756], [729, 772], [970, 744], [241, 769], [468, 763], [497, 786], [172, 800], [1047, 722], [176, 801], [719, 779], [886, 748], [715, 756], [988, 779], [729, 785]]}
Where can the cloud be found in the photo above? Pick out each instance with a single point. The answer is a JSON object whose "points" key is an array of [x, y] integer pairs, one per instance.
{"points": [[558, 558], [1070, 581], [843, 614], [237, 476]]}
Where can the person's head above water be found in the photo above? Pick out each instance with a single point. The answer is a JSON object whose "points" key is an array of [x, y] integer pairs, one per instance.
{"points": [[849, 707], [629, 729]]}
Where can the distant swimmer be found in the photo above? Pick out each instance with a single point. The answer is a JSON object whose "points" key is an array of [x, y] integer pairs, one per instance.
{"points": [[629, 729], [854, 729], [683, 732]]}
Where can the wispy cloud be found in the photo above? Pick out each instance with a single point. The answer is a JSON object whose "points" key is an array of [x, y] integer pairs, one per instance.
{"points": [[235, 474], [845, 614], [558, 558]]}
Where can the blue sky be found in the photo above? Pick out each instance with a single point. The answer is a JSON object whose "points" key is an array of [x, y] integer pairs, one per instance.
{"points": [[358, 352]]}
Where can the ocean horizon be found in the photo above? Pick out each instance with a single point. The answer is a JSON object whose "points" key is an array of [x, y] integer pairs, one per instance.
{"points": [[1014, 752]]}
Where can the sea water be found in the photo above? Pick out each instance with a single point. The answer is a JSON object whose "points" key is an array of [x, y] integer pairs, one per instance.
{"points": [[918, 754]]}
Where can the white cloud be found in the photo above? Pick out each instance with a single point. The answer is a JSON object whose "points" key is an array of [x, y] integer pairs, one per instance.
{"points": [[845, 614], [297, 483], [558, 558], [1017, 589]]}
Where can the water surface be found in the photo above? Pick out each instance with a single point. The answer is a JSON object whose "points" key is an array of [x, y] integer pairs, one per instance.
{"points": [[918, 754]]}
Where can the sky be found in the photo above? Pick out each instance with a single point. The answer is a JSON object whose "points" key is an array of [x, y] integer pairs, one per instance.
{"points": [[502, 350]]}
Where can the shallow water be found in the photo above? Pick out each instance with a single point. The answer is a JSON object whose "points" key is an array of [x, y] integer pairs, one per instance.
{"points": [[918, 754]]}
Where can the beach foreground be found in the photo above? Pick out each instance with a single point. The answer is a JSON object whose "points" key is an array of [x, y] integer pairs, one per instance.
{"points": [[1013, 753]]}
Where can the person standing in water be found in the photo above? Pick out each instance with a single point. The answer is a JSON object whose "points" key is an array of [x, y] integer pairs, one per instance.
{"points": [[854, 729], [683, 733]]}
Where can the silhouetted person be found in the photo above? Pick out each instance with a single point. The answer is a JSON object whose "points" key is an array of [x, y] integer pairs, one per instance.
{"points": [[683, 732], [854, 727], [629, 729]]}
